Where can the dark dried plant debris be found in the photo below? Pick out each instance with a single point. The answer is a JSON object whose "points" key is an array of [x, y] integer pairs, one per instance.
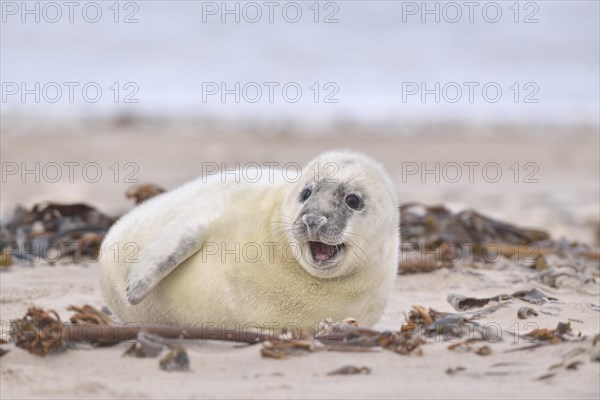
{"points": [[350, 370], [433, 237], [422, 317], [347, 336], [284, 348], [484, 351], [430, 228], [402, 343], [60, 232], [546, 376], [176, 359], [421, 266], [453, 371], [3, 351], [559, 334], [574, 365], [466, 346], [54, 232], [540, 263], [149, 345], [595, 356], [174, 356], [89, 315], [137, 350], [436, 224], [143, 192], [450, 325], [534, 296], [6, 260], [40, 332], [526, 312], [463, 303]]}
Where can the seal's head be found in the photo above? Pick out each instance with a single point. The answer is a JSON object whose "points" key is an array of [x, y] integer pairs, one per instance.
{"points": [[343, 214]]}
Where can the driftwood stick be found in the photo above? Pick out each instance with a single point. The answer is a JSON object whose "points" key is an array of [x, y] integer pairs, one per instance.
{"points": [[112, 334], [116, 333]]}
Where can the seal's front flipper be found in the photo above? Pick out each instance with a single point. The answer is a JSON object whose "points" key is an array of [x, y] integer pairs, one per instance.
{"points": [[175, 243]]}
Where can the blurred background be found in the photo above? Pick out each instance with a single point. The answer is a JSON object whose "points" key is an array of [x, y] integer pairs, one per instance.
{"points": [[148, 91]]}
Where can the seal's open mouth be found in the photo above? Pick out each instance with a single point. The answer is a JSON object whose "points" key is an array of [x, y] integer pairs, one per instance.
{"points": [[323, 252]]}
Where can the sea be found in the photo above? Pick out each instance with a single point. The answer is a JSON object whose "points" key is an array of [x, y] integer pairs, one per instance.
{"points": [[500, 61]]}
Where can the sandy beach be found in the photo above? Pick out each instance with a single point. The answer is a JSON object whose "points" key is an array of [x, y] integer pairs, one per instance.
{"points": [[484, 115], [564, 201]]}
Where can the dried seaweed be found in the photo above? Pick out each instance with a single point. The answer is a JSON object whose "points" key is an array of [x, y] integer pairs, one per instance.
{"points": [[429, 228], [401, 343], [350, 370], [39, 332], [595, 356], [466, 226], [421, 266], [60, 232], [452, 326], [453, 371], [175, 359], [433, 237], [467, 346], [534, 296], [526, 312], [3, 351], [6, 259], [174, 356], [283, 348], [347, 336], [422, 317], [462, 303], [89, 315], [138, 350], [54, 232], [143, 192], [149, 345], [552, 336], [347, 331]]}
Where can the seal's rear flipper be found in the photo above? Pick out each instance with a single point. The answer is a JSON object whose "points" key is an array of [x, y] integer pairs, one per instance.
{"points": [[175, 243]]}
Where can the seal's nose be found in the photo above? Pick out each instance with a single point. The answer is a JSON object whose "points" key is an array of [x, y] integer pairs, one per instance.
{"points": [[313, 222]]}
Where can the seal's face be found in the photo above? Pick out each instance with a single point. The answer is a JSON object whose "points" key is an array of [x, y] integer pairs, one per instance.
{"points": [[337, 216], [321, 225]]}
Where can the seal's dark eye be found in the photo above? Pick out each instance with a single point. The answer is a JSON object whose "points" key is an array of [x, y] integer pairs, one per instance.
{"points": [[353, 201], [305, 195]]}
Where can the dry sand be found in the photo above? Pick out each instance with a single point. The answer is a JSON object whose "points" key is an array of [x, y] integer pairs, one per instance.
{"points": [[564, 201]]}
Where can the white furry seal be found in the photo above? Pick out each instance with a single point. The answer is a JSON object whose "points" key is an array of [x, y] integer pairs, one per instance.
{"points": [[265, 252]]}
